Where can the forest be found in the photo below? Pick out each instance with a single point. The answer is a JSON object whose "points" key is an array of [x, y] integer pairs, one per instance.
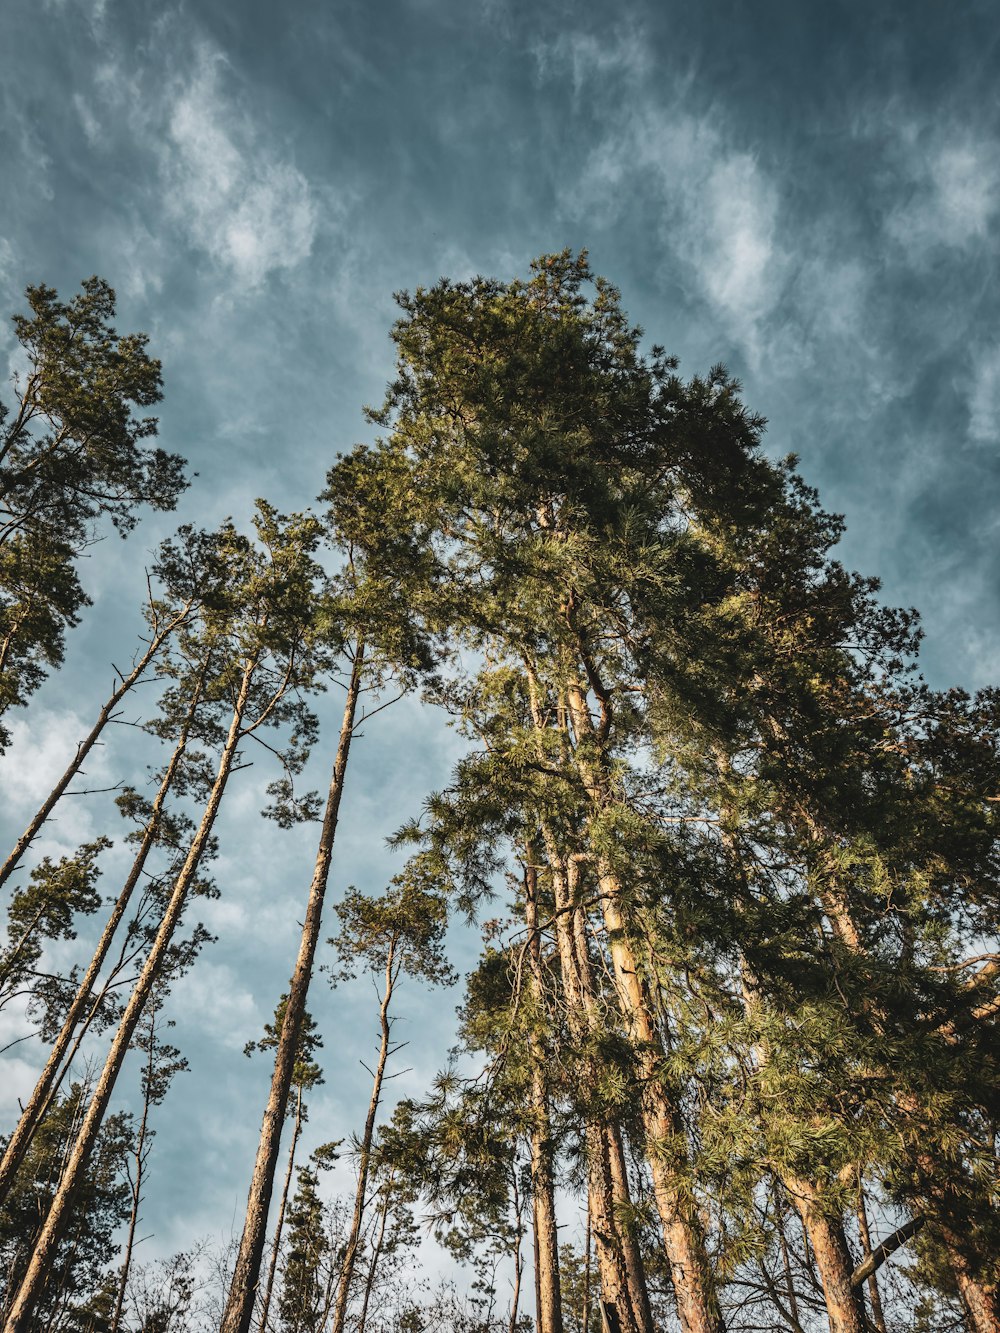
{"points": [[727, 1056]]}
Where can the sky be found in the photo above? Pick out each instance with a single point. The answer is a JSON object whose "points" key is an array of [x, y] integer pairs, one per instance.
{"points": [[808, 193]]}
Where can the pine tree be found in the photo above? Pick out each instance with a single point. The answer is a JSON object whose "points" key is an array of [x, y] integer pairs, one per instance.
{"points": [[72, 452], [262, 651]]}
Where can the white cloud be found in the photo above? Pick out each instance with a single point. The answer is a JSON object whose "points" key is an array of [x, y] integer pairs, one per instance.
{"points": [[624, 52], [39, 752], [249, 209], [720, 211], [954, 194], [88, 121], [984, 396]]}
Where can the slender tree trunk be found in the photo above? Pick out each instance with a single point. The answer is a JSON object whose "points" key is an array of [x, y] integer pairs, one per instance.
{"points": [[548, 1299], [617, 1283], [786, 1263], [140, 1162], [621, 1271], [159, 638], [515, 1300], [833, 1259], [364, 1157], [878, 1315], [243, 1291], [20, 1318], [684, 1243], [376, 1256], [55, 1065], [272, 1266], [634, 1266]]}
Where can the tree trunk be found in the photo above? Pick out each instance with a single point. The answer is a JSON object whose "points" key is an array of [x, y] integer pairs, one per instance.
{"points": [[878, 1315], [84, 748], [833, 1259], [982, 1302], [21, 1314], [55, 1067], [272, 1266], [621, 1271], [364, 1159], [140, 1163], [376, 1257], [684, 1243], [548, 1299], [618, 1283], [243, 1291]]}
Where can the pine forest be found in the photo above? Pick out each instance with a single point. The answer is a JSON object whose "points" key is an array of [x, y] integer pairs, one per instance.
{"points": [[711, 888]]}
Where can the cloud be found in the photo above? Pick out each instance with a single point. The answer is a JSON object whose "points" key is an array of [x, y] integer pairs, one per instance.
{"points": [[38, 755], [954, 193], [718, 211], [984, 397], [240, 202]]}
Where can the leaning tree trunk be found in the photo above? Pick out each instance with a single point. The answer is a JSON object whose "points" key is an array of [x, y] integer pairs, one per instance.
{"points": [[364, 1157], [246, 1275], [833, 1260], [84, 748], [20, 1318], [265, 1308], [56, 1065]]}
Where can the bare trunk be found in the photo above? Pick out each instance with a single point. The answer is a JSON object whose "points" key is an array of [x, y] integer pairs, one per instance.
{"points": [[515, 1300], [56, 1064], [364, 1160], [878, 1316], [548, 1299], [376, 1257], [21, 1314], [634, 1267], [683, 1240], [157, 641], [833, 1260], [272, 1266], [140, 1163], [982, 1302], [243, 1291]]}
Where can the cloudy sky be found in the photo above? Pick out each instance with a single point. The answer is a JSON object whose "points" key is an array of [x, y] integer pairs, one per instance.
{"points": [[810, 193]]}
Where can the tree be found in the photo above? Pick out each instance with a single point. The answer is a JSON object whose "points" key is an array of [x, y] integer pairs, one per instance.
{"points": [[161, 1062], [87, 1248], [401, 932], [191, 570], [258, 653], [71, 452], [306, 1075]]}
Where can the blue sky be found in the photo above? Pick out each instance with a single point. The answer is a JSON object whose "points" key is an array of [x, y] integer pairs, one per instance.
{"points": [[810, 193]]}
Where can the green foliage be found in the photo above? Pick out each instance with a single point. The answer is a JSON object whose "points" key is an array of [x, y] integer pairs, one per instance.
{"points": [[72, 451], [307, 1073], [47, 909], [403, 930], [78, 1278]]}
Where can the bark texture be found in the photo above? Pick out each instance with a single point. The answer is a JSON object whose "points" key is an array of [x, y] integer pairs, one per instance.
{"points": [[246, 1276]]}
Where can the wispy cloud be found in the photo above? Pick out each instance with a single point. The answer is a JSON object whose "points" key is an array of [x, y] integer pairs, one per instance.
{"points": [[952, 181], [239, 199], [984, 396]]}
